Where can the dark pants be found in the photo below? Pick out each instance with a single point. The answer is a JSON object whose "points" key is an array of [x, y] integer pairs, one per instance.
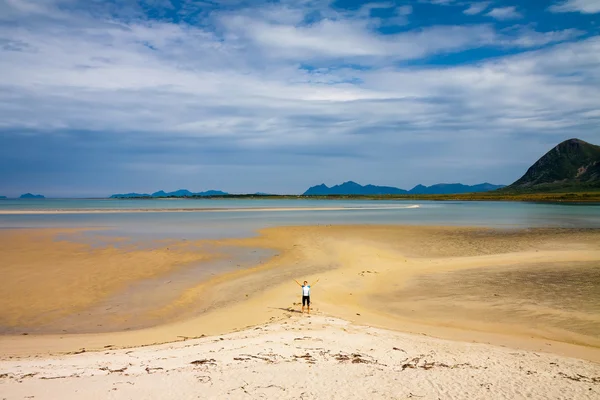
{"points": [[305, 301]]}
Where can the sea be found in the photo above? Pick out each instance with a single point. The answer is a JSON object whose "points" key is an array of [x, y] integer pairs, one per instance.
{"points": [[221, 218]]}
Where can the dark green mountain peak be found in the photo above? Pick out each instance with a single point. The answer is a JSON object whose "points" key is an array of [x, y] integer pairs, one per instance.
{"points": [[572, 164]]}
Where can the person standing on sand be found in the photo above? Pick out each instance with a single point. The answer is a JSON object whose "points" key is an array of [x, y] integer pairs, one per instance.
{"points": [[306, 294]]}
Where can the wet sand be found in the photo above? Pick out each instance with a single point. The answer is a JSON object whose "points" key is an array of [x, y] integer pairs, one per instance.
{"points": [[371, 275]]}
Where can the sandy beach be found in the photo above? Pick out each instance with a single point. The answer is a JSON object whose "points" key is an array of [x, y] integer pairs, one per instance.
{"points": [[444, 295], [314, 357]]}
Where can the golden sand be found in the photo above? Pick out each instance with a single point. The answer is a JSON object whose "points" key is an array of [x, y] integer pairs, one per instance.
{"points": [[385, 276], [45, 277]]}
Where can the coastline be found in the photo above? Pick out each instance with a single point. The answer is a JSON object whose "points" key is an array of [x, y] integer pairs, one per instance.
{"points": [[358, 266]]}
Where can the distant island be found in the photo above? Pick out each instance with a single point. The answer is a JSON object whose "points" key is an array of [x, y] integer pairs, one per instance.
{"points": [[353, 188], [31, 196], [2, 197], [163, 194]]}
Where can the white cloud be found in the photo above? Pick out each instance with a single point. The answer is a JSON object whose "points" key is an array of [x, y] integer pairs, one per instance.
{"points": [[335, 39], [438, 2], [404, 10], [505, 13], [526, 37], [582, 6], [476, 8]]}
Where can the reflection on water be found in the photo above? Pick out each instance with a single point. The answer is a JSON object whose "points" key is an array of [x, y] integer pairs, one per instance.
{"points": [[549, 297]]}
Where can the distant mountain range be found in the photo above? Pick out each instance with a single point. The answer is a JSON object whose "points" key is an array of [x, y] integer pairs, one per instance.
{"points": [[177, 193], [353, 188], [573, 165], [31, 196], [2, 197]]}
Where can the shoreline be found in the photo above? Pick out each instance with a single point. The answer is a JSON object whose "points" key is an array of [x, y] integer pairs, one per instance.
{"points": [[340, 256]]}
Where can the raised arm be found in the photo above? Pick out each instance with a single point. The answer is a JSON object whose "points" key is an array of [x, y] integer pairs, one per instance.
{"points": [[315, 282], [299, 284]]}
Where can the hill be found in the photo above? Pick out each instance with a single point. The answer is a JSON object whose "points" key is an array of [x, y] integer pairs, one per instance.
{"points": [[2, 197], [353, 188], [573, 165], [454, 188], [31, 196], [162, 193], [129, 195]]}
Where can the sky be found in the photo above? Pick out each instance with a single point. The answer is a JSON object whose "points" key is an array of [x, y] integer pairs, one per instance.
{"points": [[101, 97]]}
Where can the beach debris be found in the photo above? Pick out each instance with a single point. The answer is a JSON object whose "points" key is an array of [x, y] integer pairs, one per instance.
{"points": [[362, 273], [581, 378], [205, 361], [243, 388], [18, 378], [397, 349], [306, 357], [190, 337], [422, 363], [303, 338], [269, 358], [59, 377], [114, 370], [354, 358], [148, 369], [204, 379]]}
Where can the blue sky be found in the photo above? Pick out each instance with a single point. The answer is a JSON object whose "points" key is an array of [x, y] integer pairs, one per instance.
{"points": [[100, 97]]}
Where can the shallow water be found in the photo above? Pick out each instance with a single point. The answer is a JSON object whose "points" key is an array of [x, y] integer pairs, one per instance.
{"points": [[233, 221]]}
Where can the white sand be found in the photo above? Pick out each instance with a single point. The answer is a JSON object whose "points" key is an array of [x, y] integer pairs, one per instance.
{"points": [[314, 357]]}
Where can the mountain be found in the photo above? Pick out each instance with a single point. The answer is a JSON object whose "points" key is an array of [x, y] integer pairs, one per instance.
{"points": [[453, 188], [31, 196], [129, 195], [572, 165], [162, 193], [353, 188], [2, 197]]}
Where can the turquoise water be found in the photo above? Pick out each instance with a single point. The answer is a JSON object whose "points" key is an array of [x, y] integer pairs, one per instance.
{"points": [[240, 217]]}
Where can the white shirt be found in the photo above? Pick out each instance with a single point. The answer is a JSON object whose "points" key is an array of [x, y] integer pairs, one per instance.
{"points": [[306, 290]]}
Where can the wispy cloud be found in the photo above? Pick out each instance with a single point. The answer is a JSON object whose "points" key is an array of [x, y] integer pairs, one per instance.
{"points": [[505, 13], [582, 6], [476, 8]]}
